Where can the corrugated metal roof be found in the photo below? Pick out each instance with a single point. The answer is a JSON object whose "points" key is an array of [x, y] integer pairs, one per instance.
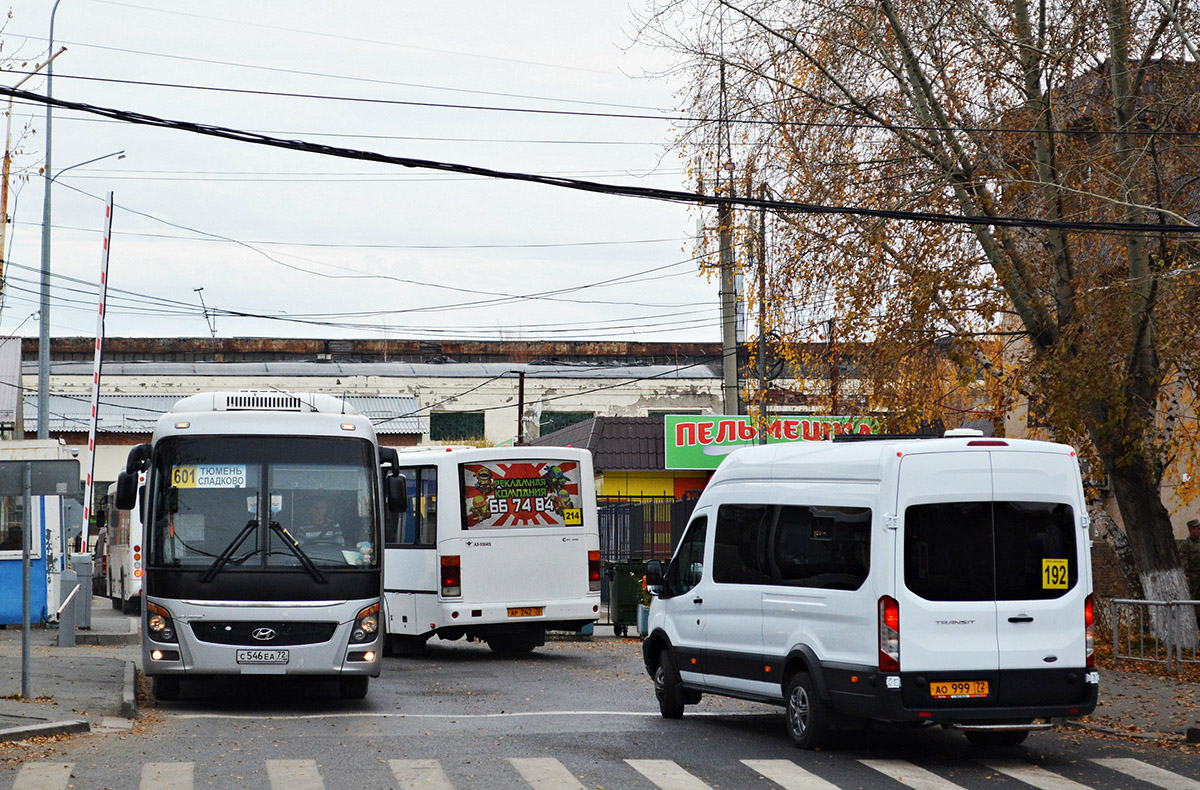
{"points": [[331, 368], [616, 443], [137, 413]]}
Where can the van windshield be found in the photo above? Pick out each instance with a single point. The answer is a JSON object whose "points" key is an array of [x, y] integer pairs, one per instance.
{"points": [[981, 551]]}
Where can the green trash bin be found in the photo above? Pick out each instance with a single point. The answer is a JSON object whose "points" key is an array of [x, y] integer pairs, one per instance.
{"points": [[625, 593]]}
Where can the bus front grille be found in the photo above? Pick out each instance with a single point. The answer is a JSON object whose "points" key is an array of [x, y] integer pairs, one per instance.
{"points": [[263, 634]]}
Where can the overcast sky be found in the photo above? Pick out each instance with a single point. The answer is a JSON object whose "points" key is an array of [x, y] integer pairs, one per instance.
{"points": [[352, 249]]}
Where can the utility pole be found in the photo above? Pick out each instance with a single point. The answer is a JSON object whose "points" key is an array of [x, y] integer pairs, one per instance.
{"points": [[729, 356], [762, 316], [7, 168]]}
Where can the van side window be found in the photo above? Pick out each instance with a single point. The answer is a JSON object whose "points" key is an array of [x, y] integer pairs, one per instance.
{"points": [[823, 547], [688, 565], [736, 553]]}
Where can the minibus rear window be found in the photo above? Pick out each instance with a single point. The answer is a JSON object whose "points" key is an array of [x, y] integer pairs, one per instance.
{"points": [[980, 551]]}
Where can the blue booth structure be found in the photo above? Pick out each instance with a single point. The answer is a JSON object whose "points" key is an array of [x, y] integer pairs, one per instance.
{"points": [[50, 520]]}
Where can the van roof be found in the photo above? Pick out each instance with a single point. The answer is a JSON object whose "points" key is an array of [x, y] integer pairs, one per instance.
{"points": [[862, 460]]}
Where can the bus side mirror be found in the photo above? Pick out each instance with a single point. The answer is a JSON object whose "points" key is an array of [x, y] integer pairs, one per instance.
{"points": [[397, 493], [654, 577], [127, 491], [138, 461], [389, 456]]}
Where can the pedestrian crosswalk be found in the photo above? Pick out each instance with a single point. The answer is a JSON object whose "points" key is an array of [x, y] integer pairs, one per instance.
{"points": [[546, 773]]}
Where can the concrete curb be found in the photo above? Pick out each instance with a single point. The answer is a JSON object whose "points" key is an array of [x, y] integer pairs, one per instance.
{"points": [[132, 637], [129, 706], [48, 728]]}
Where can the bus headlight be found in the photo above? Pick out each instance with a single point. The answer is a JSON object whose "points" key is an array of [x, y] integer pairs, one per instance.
{"points": [[366, 625], [159, 625]]}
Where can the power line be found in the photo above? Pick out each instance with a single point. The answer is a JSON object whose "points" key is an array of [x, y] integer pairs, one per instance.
{"points": [[648, 193]]}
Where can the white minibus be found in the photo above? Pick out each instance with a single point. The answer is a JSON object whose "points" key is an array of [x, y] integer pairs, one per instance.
{"points": [[497, 545], [929, 581]]}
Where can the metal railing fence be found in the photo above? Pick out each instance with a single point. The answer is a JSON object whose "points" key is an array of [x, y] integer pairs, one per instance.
{"points": [[1156, 632]]}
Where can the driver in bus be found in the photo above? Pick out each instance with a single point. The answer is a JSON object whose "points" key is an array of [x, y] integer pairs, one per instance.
{"points": [[327, 523]]}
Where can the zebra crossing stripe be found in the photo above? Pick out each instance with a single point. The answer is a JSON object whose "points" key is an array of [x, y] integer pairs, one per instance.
{"points": [[1034, 775], [1150, 774], [910, 775], [667, 775], [43, 776], [788, 775], [420, 774], [295, 774], [167, 776], [545, 773]]}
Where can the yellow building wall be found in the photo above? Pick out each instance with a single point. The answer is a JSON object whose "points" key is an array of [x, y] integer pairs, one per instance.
{"points": [[644, 483]]}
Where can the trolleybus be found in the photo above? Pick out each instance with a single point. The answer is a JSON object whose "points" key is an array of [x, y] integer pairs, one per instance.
{"points": [[497, 545], [262, 515]]}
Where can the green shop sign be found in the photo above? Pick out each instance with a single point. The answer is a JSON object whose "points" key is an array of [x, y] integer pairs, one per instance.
{"points": [[702, 442]]}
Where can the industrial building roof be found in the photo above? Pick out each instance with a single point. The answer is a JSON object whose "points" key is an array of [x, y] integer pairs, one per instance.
{"points": [[137, 413], [334, 368]]}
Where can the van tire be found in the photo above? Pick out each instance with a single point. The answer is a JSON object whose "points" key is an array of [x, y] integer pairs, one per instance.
{"points": [[353, 686], [986, 738], [806, 715], [164, 687], [668, 688]]}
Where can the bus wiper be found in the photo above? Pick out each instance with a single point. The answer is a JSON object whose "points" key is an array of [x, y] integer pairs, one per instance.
{"points": [[293, 545], [227, 554]]}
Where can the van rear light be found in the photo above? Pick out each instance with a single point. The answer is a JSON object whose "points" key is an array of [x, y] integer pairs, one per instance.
{"points": [[987, 443], [889, 634], [451, 576], [593, 571], [1089, 639]]}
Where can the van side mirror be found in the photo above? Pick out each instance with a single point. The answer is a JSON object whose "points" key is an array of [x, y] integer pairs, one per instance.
{"points": [[138, 461], [397, 493], [127, 490], [654, 577]]}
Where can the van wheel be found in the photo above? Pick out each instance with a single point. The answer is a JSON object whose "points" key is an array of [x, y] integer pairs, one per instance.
{"points": [[994, 738], [164, 687], [353, 686], [668, 688], [807, 717]]}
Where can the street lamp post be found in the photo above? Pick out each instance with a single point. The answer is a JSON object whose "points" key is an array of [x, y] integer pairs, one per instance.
{"points": [[44, 338], [43, 430]]}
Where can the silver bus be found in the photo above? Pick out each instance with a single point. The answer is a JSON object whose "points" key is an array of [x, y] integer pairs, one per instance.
{"points": [[262, 514]]}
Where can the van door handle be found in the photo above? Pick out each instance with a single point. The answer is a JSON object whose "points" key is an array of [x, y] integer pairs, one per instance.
{"points": [[697, 600], [1024, 618]]}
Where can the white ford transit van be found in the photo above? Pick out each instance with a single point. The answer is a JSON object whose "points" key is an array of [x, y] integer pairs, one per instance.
{"points": [[944, 581]]}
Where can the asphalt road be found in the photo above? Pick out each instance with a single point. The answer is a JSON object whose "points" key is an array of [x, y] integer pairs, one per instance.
{"points": [[571, 715]]}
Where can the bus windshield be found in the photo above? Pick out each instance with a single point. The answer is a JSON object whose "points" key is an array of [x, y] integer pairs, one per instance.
{"points": [[234, 504]]}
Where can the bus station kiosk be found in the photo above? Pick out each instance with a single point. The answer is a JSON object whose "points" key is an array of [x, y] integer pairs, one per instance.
{"points": [[39, 490]]}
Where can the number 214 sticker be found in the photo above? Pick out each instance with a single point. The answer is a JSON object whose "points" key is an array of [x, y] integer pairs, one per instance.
{"points": [[1054, 574]]}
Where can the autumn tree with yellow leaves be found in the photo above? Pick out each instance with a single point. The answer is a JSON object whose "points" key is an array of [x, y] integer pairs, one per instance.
{"points": [[1078, 120]]}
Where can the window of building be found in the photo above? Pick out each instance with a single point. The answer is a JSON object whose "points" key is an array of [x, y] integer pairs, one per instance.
{"points": [[450, 426], [557, 420]]}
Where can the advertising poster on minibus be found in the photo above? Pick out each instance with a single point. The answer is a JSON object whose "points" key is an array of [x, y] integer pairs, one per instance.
{"points": [[506, 494]]}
